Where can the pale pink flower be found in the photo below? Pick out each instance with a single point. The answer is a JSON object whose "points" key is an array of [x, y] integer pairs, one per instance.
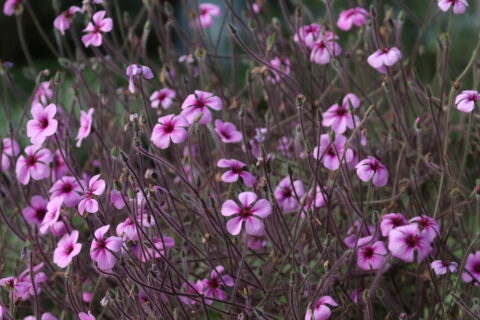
{"points": [[96, 187], [102, 249], [371, 254], [391, 221], [459, 6], [198, 103], [288, 194], [320, 310], [43, 123], [43, 94], [136, 71], [86, 316], [117, 200], [58, 229], [466, 100], [308, 34], [19, 290], [324, 49], [212, 288], [313, 199], [352, 17], [442, 267], [36, 211], [67, 248], [206, 13], [86, 120], [284, 145], [372, 169], [68, 188], [408, 241], [227, 132], [12, 6], [248, 212], [34, 164], [237, 169], [8, 148], [330, 153], [169, 127], [96, 29], [339, 117], [428, 225], [383, 58], [52, 215], [163, 97], [62, 22], [282, 64]]}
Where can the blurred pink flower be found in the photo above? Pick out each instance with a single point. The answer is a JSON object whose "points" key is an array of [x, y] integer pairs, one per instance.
{"points": [[466, 100], [68, 188], [408, 241], [320, 310], [96, 187], [148, 253], [459, 6], [62, 22], [288, 194], [372, 169], [169, 127], [350, 17], [86, 120], [191, 288], [36, 211], [391, 221], [308, 34], [206, 13], [383, 58], [135, 71], [163, 97], [34, 165], [324, 49], [43, 123], [282, 64], [8, 148], [12, 6], [313, 199], [102, 248], [330, 153], [67, 248], [255, 242], [52, 215], [227, 132], [86, 316], [428, 225], [212, 288], [117, 200], [95, 30], [441, 267], [43, 94], [198, 103], [237, 169]]}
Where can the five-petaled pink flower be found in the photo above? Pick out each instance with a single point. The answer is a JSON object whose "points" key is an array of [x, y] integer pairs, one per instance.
{"points": [[371, 254], [324, 49], [212, 288], [8, 148], [237, 169], [34, 164], [391, 221], [288, 194], [169, 127], [331, 153], [227, 132], [408, 241], [36, 211], [43, 123], [466, 100], [383, 58], [320, 310], [308, 35], [246, 212], [67, 248], [350, 17], [372, 169], [96, 29], [102, 249], [62, 22], [52, 215], [198, 103], [206, 13], [69, 189], [12, 6], [96, 187], [339, 117], [86, 120], [442, 267], [136, 71], [459, 6], [163, 97]]}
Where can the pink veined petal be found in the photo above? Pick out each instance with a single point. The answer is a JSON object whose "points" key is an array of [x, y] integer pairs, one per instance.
{"points": [[331, 162], [365, 173], [248, 178], [328, 300], [322, 313], [262, 208], [229, 208], [254, 226], [215, 103], [444, 5], [106, 260], [380, 178], [247, 198], [375, 60], [230, 176], [114, 243], [234, 225], [179, 135], [98, 16], [224, 163], [466, 106], [91, 205], [340, 124], [228, 280], [215, 274], [161, 140]]}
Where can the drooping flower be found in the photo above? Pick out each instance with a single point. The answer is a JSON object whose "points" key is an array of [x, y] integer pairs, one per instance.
{"points": [[237, 169], [86, 120], [288, 194], [136, 71], [408, 241], [169, 127], [206, 13], [96, 29], [282, 64], [227, 132], [198, 103], [86, 316], [163, 97], [339, 117], [212, 288], [372, 169], [391, 221], [67, 248], [371, 254], [320, 310], [324, 49], [308, 34], [36, 211], [62, 22], [428, 225], [43, 123], [102, 247], [44, 94], [330, 153], [466, 100], [8, 148], [459, 6], [383, 58], [352, 17], [96, 187], [248, 212], [442, 267], [12, 6], [34, 164], [52, 214], [68, 188]]}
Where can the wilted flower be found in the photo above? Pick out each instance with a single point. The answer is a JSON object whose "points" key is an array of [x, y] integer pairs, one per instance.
{"points": [[280, 64], [8, 148], [96, 29]]}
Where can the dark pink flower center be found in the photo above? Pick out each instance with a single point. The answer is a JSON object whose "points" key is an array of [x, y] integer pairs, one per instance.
{"points": [[385, 50], [374, 165], [43, 122], [331, 152], [396, 221], [69, 249], [367, 252], [213, 283], [245, 213], [341, 112], [236, 169], [199, 103], [476, 267], [40, 213], [286, 192], [168, 127], [412, 240], [67, 188], [31, 160], [225, 133]]}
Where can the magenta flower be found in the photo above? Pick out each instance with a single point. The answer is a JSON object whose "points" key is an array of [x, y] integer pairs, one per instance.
{"points": [[102, 249], [67, 248], [205, 18], [43, 124], [12, 6], [212, 288], [383, 58], [8, 148], [280, 64], [324, 49], [372, 169], [248, 213], [227, 132], [236, 170], [117, 200], [391, 221], [308, 34], [52, 215], [34, 164], [459, 6], [169, 127], [163, 97], [407, 240], [96, 187], [68, 188], [86, 120], [371, 254], [472, 268], [191, 288], [330, 153], [320, 311], [43, 94], [339, 117], [286, 194], [86, 316], [350, 17], [96, 29], [62, 22], [36, 211], [198, 103], [428, 225], [466, 100], [136, 71], [442, 267]]}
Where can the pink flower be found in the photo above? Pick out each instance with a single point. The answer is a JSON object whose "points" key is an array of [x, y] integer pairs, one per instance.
{"points": [[45, 316], [86, 316], [466, 100], [428, 225], [227, 131], [191, 288], [52, 215], [236, 170], [354, 16], [442, 267], [8, 148], [288, 194], [370, 254], [256, 242], [94, 30], [169, 127], [102, 249], [313, 199], [339, 117], [147, 253], [280, 64], [330, 153], [62, 22], [246, 213], [68, 188], [383, 58], [43, 124], [356, 232], [372, 169], [86, 120], [308, 34], [472, 268], [96, 187], [43, 94], [459, 6], [12, 6], [34, 165], [67, 248], [37, 210], [163, 97], [198, 103], [212, 288], [205, 18], [408, 241], [324, 49], [320, 311], [391, 221], [117, 200], [135, 71]]}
